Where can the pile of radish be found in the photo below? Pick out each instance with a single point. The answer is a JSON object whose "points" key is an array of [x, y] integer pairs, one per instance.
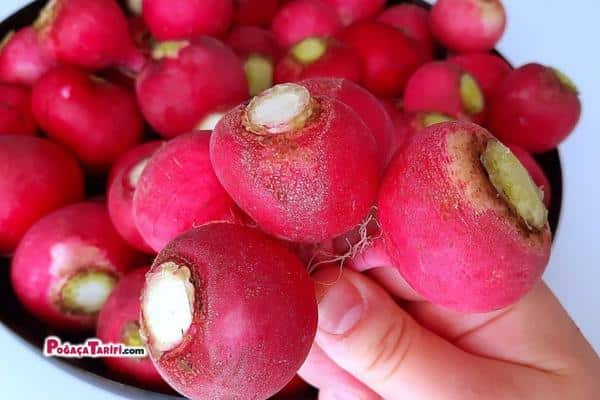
{"points": [[243, 144]]}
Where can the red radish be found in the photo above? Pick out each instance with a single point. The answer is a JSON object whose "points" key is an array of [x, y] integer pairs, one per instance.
{"points": [[488, 69], [413, 20], [486, 241], [124, 178], [389, 57], [38, 177], [535, 170], [295, 387], [468, 26], [183, 19], [351, 11], [304, 167], [368, 108], [301, 19], [254, 12], [536, 108], [444, 87], [22, 60], [88, 34], [16, 117], [259, 52], [228, 312], [67, 264], [186, 82], [319, 57], [118, 322], [179, 190], [96, 119]]}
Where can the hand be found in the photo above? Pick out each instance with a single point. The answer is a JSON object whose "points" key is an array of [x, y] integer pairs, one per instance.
{"points": [[369, 347]]}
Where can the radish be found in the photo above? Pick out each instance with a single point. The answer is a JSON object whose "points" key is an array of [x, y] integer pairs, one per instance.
{"points": [[488, 70], [445, 88], [95, 119], [389, 57], [301, 19], [536, 107], [486, 242], [535, 170], [124, 178], [259, 52], [187, 82], [135, 6], [228, 312], [22, 60], [118, 322], [468, 26], [16, 116], [38, 176], [67, 264], [319, 57], [304, 167], [183, 19], [364, 104], [179, 190], [254, 12], [351, 11], [413, 20], [88, 34]]}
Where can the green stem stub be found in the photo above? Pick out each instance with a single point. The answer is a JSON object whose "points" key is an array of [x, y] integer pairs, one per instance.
{"points": [[86, 292], [471, 94], [169, 49], [514, 184], [259, 73], [6, 39], [433, 118], [309, 50], [565, 81], [131, 335]]}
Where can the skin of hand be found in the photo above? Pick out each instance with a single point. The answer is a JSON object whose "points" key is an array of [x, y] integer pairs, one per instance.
{"points": [[376, 343]]}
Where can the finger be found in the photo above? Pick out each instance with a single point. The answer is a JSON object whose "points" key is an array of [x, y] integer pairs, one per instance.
{"points": [[391, 280], [363, 331], [324, 374]]}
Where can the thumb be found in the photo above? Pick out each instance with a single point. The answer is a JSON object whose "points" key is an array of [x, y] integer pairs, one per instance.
{"points": [[367, 334]]}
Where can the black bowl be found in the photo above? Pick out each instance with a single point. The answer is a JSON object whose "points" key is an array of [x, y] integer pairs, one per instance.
{"points": [[14, 316]]}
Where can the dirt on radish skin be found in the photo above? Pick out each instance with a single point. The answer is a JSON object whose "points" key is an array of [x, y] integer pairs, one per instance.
{"points": [[535, 107], [95, 119], [118, 322], [468, 26], [316, 57], [389, 56], [304, 167], [187, 81], [88, 34], [478, 200], [122, 183], [445, 88], [179, 190], [16, 117], [301, 19], [364, 104], [413, 20], [38, 176], [22, 60], [241, 315], [67, 264], [183, 19]]}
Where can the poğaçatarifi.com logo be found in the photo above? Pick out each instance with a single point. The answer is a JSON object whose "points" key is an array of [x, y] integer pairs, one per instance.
{"points": [[93, 348]]}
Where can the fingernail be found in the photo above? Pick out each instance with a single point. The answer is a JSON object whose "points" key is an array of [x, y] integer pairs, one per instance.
{"points": [[340, 309]]}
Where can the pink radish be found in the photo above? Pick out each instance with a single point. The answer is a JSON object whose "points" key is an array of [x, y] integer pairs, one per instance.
{"points": [[184, 19], [351, 11], [67, 265], [38, 176], [179, 190], [228, 312], [124, 178], [22, 60], [254, 12], [413, 20], [16, 117], [187, 82], [96, 119], [304, 167]]}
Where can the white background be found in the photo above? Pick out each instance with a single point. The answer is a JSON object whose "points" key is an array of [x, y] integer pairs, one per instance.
{"points": [[562, 33]]}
